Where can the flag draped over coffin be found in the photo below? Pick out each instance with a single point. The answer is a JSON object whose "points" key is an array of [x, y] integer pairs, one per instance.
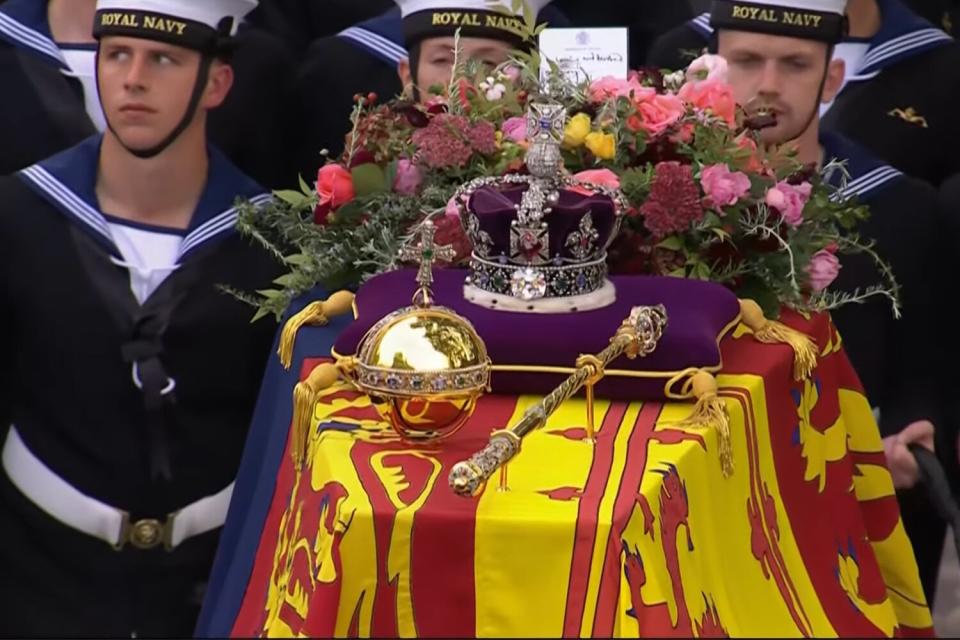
{"points": [[638, 534]]}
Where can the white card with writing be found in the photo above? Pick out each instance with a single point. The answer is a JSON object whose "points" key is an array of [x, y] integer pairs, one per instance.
{"points": [[586, 52]]}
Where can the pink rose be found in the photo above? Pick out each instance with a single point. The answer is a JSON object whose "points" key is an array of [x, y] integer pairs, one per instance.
{"points": [[823, 269], [708, 67], [515, 129], [659, 112], [723, 187], [713, 96], [685, 133], [610, 87], [512, 72], [789, 200], [599, 177], [408, 178]]}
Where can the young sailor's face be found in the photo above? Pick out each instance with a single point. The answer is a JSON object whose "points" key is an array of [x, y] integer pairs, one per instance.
{"points": [[437, 57], [779, 73], [145, 87]]}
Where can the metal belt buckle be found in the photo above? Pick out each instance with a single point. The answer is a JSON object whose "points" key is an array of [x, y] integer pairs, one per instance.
{"points": [[147, 533]]}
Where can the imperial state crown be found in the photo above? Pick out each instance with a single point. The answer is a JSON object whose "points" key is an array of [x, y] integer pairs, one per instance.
{"points": [[540, 240]]}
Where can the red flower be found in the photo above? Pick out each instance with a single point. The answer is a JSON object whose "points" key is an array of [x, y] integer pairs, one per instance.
{"points": [[674, 200], [450, 233], [465, 91], [414, 115], [334, 189], [361, 156]]}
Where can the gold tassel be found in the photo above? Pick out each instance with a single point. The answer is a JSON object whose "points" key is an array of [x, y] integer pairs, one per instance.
{"points": [[304, 400], [773, 332], [314, 314], [710, 411]]}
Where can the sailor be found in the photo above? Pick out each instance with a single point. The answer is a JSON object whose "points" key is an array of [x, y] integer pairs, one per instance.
{"points": [[780, 58], [47, 61], [128, 374], [895, 99], [370, 53]]}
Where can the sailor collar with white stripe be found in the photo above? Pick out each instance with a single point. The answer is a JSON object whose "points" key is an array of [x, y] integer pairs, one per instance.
{"points": [[24, 25], [903, 34], [867, 176], [68, 182], [381, 36]]}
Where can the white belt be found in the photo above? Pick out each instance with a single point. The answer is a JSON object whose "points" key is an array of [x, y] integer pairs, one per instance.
{"points": [[60, 500]]}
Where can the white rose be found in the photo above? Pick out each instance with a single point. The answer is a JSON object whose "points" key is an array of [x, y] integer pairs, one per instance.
{"points": [[708, 67]]}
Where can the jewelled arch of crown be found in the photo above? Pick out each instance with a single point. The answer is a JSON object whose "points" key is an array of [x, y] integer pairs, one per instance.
{"points": [[528, 271]]}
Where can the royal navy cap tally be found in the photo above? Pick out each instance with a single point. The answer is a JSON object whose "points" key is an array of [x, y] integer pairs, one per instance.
{"points": [[822, 20], [195, 24], [474, 18]]}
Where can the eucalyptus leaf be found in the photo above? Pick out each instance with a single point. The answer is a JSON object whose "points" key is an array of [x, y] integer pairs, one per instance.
{"points": [[291, 197], [287, 280], [673, 243], [307, 189], [299, 260]]}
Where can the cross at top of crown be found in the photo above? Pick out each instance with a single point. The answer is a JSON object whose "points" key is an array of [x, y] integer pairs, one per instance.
{"points": [[546, 122]]}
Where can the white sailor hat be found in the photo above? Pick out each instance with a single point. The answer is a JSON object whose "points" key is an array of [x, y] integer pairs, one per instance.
{"points": [[823, 20], [495, 19], [197, 24]]}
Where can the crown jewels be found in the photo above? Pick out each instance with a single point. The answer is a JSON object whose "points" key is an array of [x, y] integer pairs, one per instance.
{"points": [[542, 236], [423, 366]]}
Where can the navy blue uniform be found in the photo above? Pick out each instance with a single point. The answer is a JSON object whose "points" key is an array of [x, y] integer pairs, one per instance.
{"points": [[72, 336]]}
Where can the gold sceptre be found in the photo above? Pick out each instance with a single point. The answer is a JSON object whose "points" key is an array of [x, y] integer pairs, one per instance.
{"points": [[637, 336]]}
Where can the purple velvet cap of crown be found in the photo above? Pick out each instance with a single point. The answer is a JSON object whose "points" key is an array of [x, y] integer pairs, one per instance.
{"points": [[698, 313], [497, 208]]}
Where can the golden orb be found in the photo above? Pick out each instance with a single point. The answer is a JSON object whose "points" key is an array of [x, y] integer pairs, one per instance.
{"points": [[424, 367]]}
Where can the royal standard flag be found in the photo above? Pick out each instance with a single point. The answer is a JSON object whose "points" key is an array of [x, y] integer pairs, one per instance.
{"points": [[638, 534]]}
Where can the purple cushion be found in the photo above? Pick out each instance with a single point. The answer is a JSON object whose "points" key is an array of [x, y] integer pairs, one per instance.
{"points": [[698, 315]]}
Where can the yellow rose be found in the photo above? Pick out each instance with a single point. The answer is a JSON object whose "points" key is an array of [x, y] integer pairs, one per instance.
{"points": [[602, 145], [576, 131]]}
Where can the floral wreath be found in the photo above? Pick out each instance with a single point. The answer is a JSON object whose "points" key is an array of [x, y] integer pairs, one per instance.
{"points": [[704, 199]]}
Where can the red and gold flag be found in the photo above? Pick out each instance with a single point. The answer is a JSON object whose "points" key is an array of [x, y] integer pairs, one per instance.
{"points": [[637, 534]]}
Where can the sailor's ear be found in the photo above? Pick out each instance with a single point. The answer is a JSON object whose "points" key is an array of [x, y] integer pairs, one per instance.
{"points": [[834, 81]]}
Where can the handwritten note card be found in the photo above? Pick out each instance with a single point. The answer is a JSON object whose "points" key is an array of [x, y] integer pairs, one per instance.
{"points": [[587, 53]]}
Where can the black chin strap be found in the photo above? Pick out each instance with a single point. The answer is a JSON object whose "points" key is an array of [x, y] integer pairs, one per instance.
{"points": [[203, 74], [817, 101]]}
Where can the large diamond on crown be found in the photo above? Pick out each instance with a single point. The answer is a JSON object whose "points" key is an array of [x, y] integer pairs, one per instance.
{"points": [[528, 284]]}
